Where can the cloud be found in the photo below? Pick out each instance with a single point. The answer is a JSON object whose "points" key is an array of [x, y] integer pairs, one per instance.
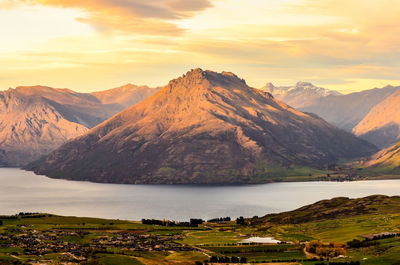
{"points": [[8, 4], [333, 42], [163, 9], [189, 6], [130, 16]]}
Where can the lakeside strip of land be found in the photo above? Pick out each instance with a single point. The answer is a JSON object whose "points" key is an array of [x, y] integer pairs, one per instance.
{"points": [[337, 231]]}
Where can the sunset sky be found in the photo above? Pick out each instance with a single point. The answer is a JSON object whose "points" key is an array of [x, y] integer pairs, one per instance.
{"points": [[89, 45]]}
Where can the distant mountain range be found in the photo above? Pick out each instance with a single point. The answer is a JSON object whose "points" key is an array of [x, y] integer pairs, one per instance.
{"points": [[36, 120], [203, 127], [125, 96], [371, 114], [299, 95]]}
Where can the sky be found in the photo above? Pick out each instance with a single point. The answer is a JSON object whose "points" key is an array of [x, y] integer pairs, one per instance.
{"points": [[91, 45]]}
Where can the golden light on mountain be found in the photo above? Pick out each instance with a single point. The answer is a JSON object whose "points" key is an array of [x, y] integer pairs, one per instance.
{"points": [[36, 120], [203, 127]]}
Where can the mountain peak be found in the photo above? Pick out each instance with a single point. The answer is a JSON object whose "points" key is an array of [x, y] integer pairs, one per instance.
{"points": [[269, 85], [203, 127], [194, 74], [207, 79], [304, 84]]}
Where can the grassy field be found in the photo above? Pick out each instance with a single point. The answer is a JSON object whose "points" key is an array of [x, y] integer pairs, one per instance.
{"points": [[351, 170], [49, 239]]}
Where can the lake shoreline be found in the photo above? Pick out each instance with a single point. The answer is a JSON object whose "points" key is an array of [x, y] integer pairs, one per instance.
{"points": [[268, 181], [23, 191]]}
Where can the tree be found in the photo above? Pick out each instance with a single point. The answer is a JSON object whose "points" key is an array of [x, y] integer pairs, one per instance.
{"points": [[235, 260], [240, 220]]}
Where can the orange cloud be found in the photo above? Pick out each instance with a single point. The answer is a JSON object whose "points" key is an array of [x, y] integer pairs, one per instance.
{"points": [[128, 16], [324, 41]]}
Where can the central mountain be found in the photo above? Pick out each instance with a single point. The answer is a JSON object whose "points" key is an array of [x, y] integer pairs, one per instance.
{"points": [[203, 127]]}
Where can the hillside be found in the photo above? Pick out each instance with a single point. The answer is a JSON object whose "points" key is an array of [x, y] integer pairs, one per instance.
{"points": [[30, 127], [387, 160], [300, 95], [203, 127], [350, 238], [381, 126], [36, 120], [336, 208], [81, 108]]}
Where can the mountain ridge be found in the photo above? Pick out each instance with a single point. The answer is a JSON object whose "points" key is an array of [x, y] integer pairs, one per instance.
{"points": [[346, 111], [381, 126], [35, 120], [203, 127], [335, 208], [300, 94]]}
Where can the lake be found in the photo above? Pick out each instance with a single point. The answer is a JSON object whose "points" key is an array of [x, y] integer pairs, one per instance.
{"points": [[22, 191]]}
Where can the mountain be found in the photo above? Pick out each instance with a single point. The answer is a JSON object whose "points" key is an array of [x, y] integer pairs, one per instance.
{"points": [[125, 96], [387, 160], [203, 127], [346, 111], [300, 95], [31, 126], [381, 126], [36, 120]]}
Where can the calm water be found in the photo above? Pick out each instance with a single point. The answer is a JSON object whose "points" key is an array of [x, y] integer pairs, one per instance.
{"points": [[25, 191]]}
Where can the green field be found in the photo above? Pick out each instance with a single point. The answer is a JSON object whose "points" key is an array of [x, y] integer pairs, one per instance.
{"points": [[50, 239]]}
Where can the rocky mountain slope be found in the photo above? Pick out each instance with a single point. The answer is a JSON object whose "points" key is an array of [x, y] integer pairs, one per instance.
{"points": [[343, 111], [387, 160], [346, 111], [381, 126], [31, 126], [300, 95], [36, 120], [203, 127]]}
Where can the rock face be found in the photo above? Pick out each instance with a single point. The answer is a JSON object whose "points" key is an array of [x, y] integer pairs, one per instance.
{"points": [[300, 95], [381, 126], [203, 127], [36, 120]]}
